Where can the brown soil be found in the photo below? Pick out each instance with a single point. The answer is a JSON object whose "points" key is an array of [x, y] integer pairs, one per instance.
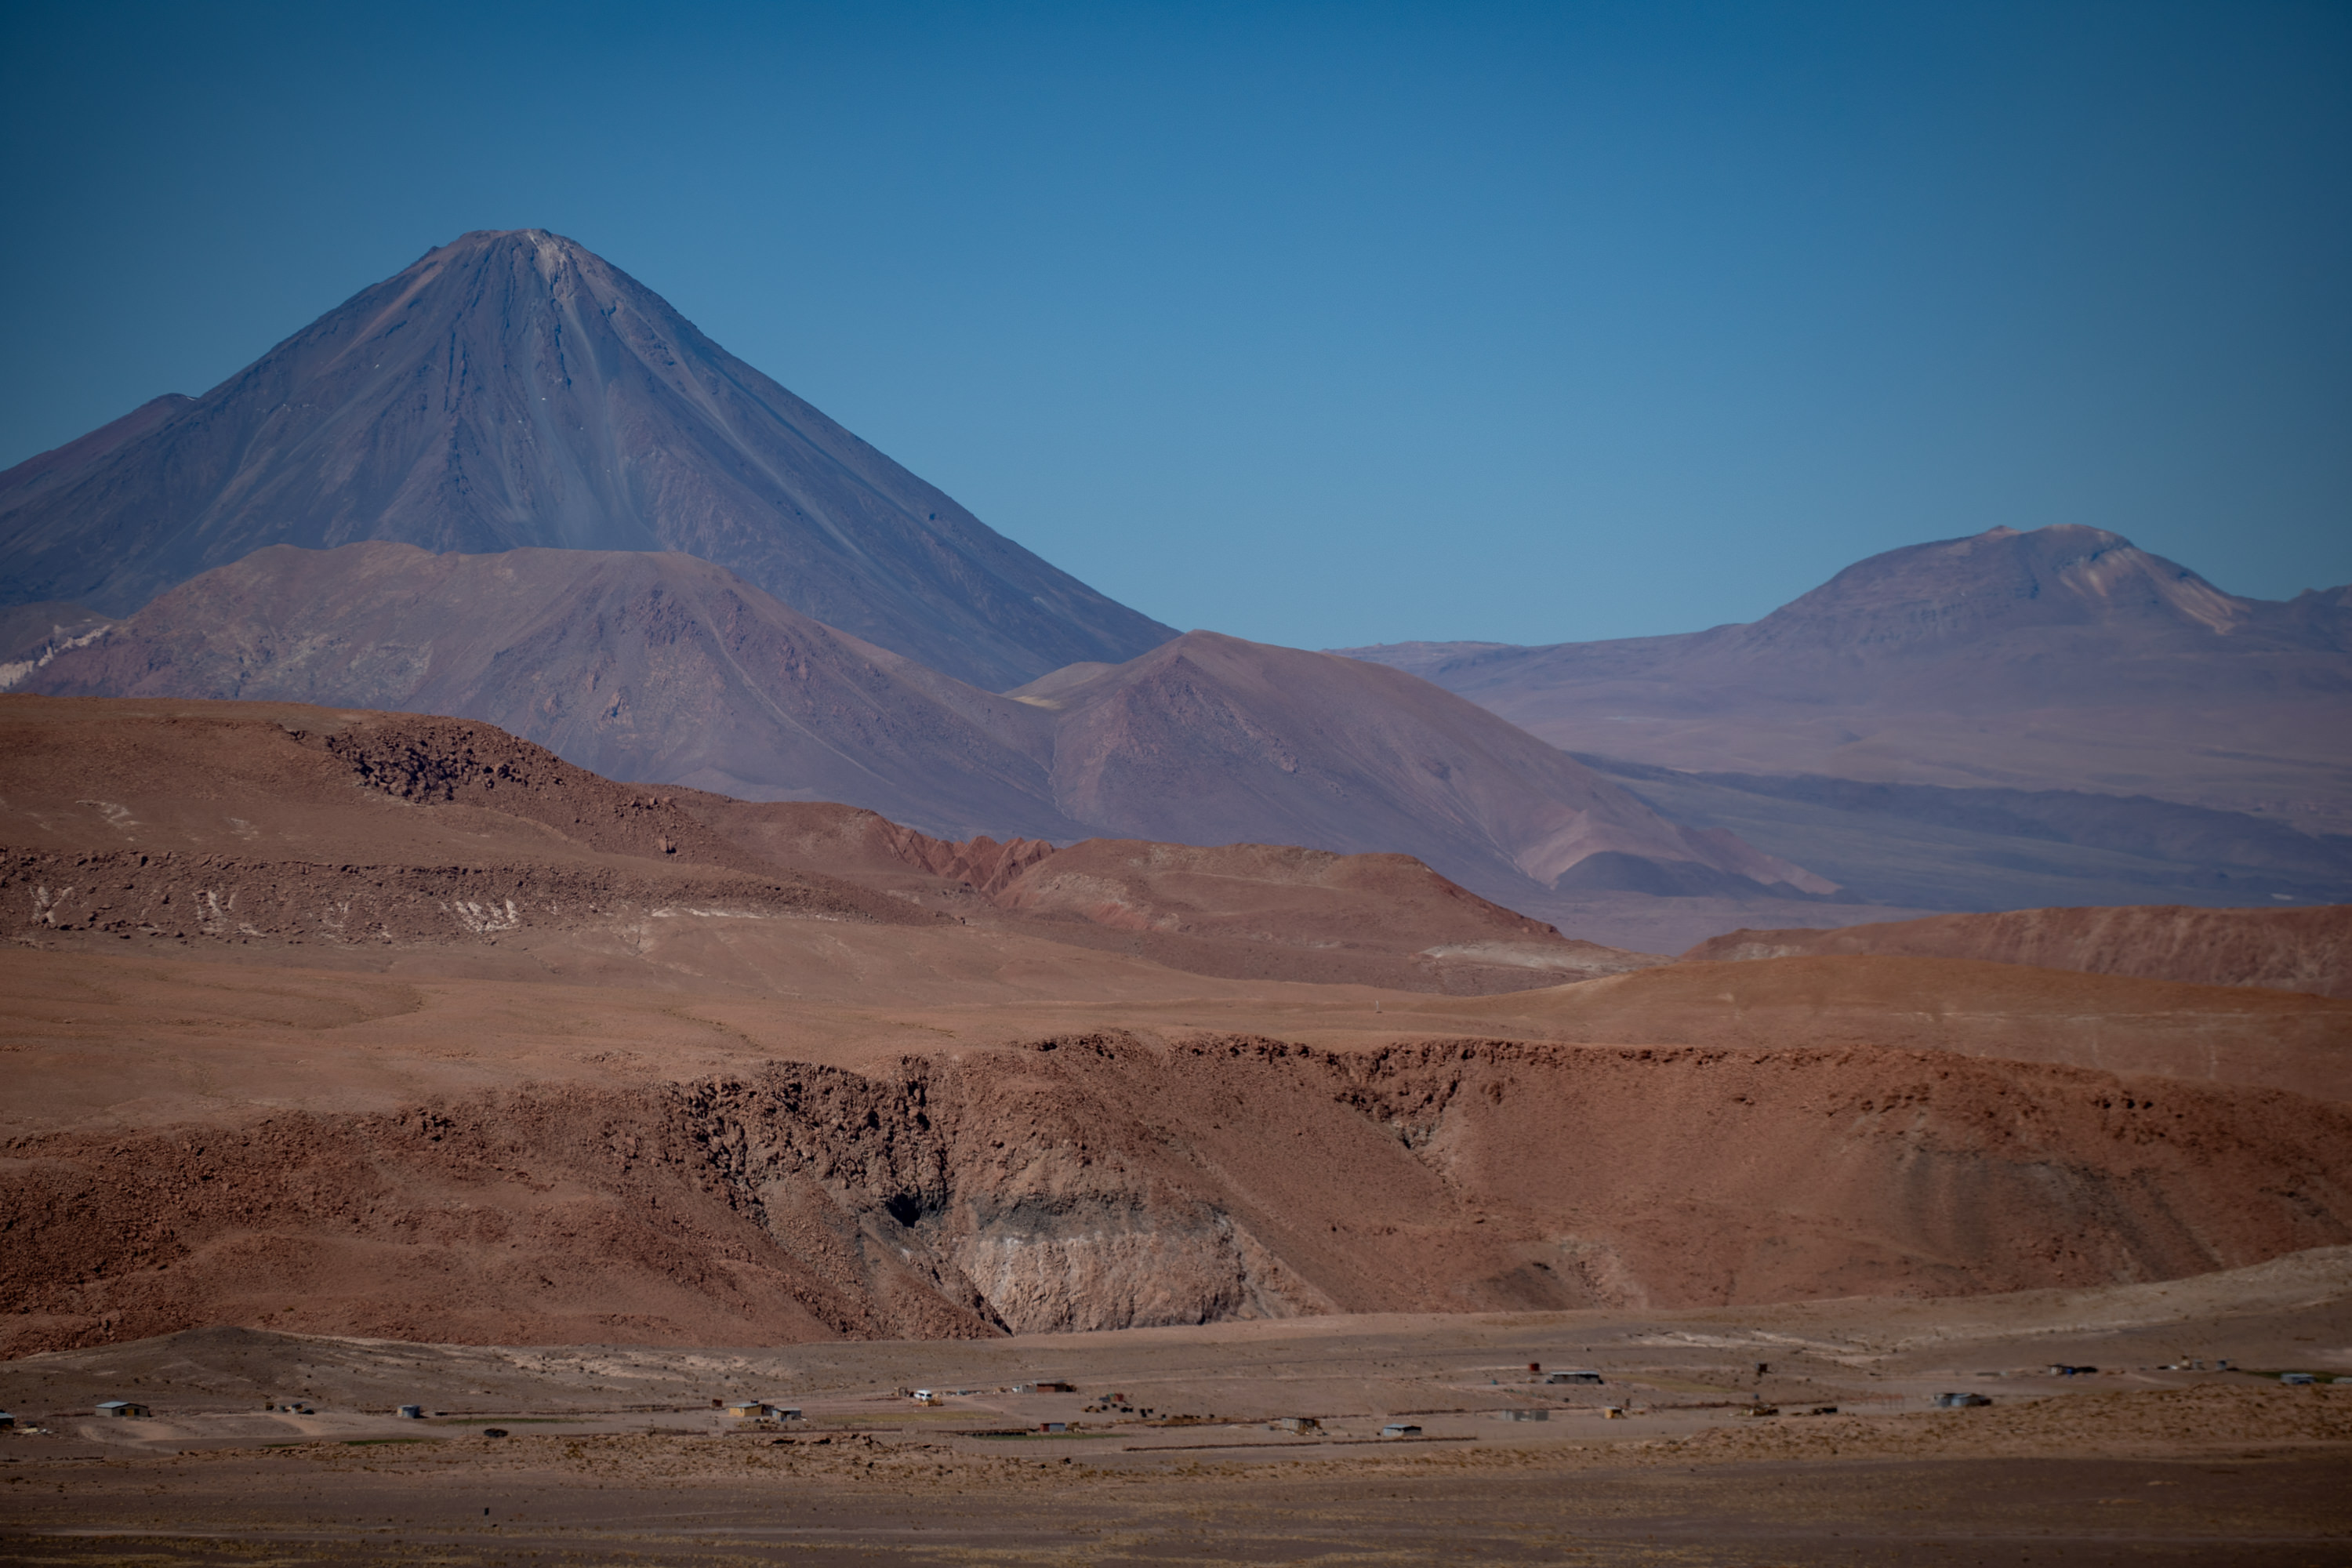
{"points": [[2209, 1033], [619, 1453], [2285, 950]]}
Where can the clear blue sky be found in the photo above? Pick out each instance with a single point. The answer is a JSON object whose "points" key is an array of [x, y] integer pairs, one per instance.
{"points": [[1316, 325]]}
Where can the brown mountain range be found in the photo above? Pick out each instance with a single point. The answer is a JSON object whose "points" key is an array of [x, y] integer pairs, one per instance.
{"points": [[666, 669], [513, 389]]}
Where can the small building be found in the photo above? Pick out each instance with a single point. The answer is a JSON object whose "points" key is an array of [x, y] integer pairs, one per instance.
{"points": [[7, 1422], [412, 1413], [1959, 1401], [747, 1409], [124, 1407], [925, 1396], [1523, 1414], [1054, 1387], [1053, 1426], [1399, 1430], [1299, 1424], [1581, 1374], [2297, 1378]]}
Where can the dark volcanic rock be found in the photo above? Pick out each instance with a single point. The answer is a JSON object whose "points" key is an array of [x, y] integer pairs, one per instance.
{"points": [[512, 389]]}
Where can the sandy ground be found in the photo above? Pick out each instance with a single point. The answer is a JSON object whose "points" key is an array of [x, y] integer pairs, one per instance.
{"points": [[1173, 1454], [100, 1033]]}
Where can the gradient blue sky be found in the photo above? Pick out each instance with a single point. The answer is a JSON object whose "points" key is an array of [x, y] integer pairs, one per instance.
{"points": [[1316, 325]]}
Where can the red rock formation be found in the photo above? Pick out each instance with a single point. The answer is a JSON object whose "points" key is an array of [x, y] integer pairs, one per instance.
{"points": [[1099, 1181]]}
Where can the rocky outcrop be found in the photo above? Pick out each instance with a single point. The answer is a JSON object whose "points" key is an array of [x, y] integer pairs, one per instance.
{"points": [[1099, 1181]]}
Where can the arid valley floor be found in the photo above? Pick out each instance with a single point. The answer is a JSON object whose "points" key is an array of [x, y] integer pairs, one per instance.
{"points": [[615, 1453]]}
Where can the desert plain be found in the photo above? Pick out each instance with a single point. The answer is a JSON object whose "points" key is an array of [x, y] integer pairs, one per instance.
{"points": [[358, 1061]]}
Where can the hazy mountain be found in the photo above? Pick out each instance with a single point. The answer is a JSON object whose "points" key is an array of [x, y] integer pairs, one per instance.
{"points": [[654, 668], [2066, 617], [2062, 661], [1210, 740], [663, 668], [514, 390]]}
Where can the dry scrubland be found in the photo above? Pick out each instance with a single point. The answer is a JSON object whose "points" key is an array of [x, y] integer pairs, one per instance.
{"points": [[392, 1041]]}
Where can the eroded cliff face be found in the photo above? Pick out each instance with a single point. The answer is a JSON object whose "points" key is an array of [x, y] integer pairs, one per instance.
{"points": [[1102, 1182], [1024, 1207]]}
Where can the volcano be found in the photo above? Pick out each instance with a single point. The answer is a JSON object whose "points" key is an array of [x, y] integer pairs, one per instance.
{"points": [[512, 389]]}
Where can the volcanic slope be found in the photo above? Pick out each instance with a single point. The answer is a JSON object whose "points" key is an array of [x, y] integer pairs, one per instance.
{"points": [[1210, 739], [2006, 665], [513, 389], [663, 668], [2285, 950]]}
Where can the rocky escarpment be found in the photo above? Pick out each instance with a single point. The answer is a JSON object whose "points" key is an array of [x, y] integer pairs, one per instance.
{"points": [[1101, 1182]]}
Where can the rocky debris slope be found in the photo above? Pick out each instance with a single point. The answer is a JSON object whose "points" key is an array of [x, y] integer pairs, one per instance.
{"points": [[1101, 1182], [2285, 950]]}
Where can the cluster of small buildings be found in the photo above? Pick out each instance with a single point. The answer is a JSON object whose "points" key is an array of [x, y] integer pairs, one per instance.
{"points": [[763, 1410]]}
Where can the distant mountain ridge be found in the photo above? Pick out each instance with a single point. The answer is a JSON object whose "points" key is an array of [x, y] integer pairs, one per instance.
{"points": [[1998, 667], [512, 389], [663, 668], [2066, 614], [1952, 663]]}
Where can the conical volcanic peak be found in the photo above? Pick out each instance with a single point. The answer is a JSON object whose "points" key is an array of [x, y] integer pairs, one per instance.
{"points": [[513, 389]]}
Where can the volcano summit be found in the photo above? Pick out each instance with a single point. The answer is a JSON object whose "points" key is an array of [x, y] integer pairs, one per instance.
{"points": [[512, 389]]}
